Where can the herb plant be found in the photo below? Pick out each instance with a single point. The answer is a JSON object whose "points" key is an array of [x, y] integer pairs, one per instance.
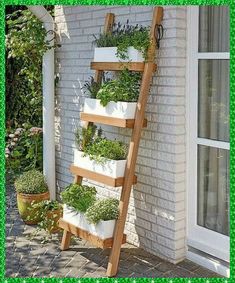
{"points": [[106, 209], [124, 88], [92, 87], [104, 149], [86, 136], [124, 36], [31, 182], [80, 197]]}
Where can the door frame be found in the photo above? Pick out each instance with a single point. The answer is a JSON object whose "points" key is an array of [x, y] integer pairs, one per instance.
{"points": [[220, 246]]}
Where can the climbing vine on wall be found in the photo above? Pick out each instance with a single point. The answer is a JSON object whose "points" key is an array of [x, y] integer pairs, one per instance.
{"points": [[25, 46]]}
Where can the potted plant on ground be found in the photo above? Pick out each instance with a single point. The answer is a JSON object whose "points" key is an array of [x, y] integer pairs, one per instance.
{"points": [[124, 43], [48, 212], [30, 187], [114, 98], [81, 210], [98, 154]]}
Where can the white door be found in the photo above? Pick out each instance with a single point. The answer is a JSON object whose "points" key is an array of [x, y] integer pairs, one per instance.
{"points": [[208, 142]]}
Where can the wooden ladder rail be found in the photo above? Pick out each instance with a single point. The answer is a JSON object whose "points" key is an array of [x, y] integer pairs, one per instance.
{"points": [[134, 145], [108, 25]]}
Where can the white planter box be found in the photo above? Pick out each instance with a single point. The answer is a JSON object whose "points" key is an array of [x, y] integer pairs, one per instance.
{"points": [[104, 229], [122, 110], [111, 168], [108, 54]]}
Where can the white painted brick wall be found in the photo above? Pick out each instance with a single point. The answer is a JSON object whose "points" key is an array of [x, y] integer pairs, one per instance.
{"points": [[156, 218]]}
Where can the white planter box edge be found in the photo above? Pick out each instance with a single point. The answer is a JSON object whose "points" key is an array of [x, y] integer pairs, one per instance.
{"points": [[111, 168], [108, 54], [103, 229], [122, 110]]}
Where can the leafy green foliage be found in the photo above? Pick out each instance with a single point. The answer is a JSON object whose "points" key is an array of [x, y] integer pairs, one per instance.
{"points": [[104, 149], [106, 209], [124, 36], [24, 150], [48, 212], [80, 197], [86, 136], [92, 87], [124, 88], [25, 47], [31, 182]]}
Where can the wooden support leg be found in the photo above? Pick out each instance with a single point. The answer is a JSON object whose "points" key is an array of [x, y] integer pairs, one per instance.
{"points": [[66, 240]]}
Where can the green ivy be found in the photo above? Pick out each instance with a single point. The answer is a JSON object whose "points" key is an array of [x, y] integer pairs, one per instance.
{"points": [[25, 46]]}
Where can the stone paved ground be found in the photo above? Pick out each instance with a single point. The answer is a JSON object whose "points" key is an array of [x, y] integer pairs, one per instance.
{"points": [[31, 258]]}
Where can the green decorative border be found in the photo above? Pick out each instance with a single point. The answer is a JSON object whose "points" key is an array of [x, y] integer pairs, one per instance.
{"points": [[2, 138]]}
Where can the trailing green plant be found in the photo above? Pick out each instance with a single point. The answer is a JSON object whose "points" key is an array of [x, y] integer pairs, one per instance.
{"points": [[25, 46], [106, 209], [23, 150], [31, 182], [124, 88], [124, 36], [80, 197], [48, 211], [84, 137], [104, 149]]}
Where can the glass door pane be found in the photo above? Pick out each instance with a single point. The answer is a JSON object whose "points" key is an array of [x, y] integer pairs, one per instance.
{"points": [[213, 189], [213, 99], [213, 28]]}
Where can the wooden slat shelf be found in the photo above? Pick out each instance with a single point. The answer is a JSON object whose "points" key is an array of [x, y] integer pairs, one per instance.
{"points": [[117, 122], [106, 180], [94, 240], [116, 66]]}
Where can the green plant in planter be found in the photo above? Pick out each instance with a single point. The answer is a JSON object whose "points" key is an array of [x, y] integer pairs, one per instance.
{"points": [[124, 36], [125, 88], [80, 197], [31, 182], [92, 87], [106, 209], [48, 212], [86, 136], [104, 149], [31, 188]]}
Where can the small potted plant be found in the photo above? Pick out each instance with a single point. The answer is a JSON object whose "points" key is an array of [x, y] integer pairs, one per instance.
{"points": [[98, 154], [48, 212], [124, 43], [114, 98], [30, 187]]}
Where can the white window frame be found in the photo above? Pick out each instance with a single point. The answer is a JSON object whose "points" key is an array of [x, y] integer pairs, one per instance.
{"points": [[199, 237]]}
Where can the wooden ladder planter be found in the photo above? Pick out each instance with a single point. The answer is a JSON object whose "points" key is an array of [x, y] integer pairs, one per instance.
{"points": [[126, 182]]}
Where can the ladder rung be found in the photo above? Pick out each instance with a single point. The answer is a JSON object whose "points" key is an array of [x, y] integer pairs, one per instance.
{"points": [[117, 122], [95, 240], [113, 182], [116, 66]]}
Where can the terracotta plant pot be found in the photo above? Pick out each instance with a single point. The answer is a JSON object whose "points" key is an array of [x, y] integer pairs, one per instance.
{"points": [[54, 228], [24, 202]]}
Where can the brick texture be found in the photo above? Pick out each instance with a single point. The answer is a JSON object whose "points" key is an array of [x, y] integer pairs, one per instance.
{"points": [[156, 218]]}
